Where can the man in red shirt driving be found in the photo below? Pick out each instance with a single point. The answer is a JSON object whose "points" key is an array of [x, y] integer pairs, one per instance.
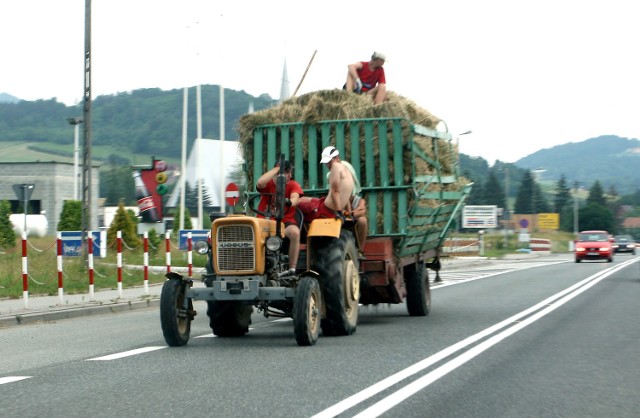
{"points": [[267, 186]]}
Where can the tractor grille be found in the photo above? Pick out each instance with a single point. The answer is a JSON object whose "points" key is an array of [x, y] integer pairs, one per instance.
{"points": [[236, 248]]}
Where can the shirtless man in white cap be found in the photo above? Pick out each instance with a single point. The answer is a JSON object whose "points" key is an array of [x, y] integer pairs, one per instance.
{"points": [[343, 192]]}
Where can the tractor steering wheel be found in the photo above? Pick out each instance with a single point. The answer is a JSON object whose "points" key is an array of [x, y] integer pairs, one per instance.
{"points": [[250, 204]]}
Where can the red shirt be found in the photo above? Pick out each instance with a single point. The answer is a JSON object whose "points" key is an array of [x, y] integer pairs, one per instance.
{"points": [[292, 187], [370, 78]]}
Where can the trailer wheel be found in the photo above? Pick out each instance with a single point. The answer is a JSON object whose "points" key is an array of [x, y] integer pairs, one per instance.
{"points": [[336, 261], [307, 307], [418, 290], [229, 319], [174, 319]]}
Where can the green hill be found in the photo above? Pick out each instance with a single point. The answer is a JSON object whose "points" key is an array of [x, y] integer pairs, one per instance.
{"points": [[126, 125], [610, 159]]}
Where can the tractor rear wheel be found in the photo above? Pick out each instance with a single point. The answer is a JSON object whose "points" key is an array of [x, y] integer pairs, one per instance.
{"points": [[229, 318], [336, 261]]}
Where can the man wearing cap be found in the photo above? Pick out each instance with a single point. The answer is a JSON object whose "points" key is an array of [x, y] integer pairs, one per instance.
{"points": [[368, 77], [266, 185], [343, 189]]}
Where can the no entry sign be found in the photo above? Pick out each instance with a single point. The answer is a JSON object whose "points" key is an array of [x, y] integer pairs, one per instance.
{"points": [[232, 193]]}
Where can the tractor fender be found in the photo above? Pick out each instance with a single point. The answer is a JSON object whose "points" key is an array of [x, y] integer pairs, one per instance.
{"points": [[325, 227], [173, 276]]}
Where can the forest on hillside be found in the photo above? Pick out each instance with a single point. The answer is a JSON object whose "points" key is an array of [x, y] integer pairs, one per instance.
{"points": [[142, 121]]}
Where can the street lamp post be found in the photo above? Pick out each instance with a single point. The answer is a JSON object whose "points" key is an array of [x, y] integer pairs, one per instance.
{"points": [[458, 149], [76, 151], [575, 208], [458, 139], [506, 216]]}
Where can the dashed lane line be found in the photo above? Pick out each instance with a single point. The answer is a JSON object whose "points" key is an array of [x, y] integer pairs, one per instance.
{"points": [[11, 379], [123, 354]]}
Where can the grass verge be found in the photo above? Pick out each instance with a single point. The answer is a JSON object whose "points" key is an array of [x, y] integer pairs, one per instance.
{"points": [[42, 268]]}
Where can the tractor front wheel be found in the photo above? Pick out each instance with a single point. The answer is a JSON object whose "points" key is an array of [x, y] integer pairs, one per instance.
{"points": [[307, 307], [174, 318]]}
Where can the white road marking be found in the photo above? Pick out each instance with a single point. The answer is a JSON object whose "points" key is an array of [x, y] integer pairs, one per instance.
{"points": [[516, 323], [453, 277], [116, 356], [10, 379]]}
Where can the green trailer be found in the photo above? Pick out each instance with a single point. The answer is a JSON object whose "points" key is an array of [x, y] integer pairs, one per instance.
{"points": [[410, 180]]}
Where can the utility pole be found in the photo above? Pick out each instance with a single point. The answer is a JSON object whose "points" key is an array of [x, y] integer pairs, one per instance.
{"points": [[86, 155]]}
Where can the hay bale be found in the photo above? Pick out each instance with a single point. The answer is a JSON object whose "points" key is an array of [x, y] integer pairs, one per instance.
{"points": [[341, 105]]}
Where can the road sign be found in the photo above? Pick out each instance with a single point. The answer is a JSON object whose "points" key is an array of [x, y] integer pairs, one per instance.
{"points": [[196, 235], [23, 191], [232, 193], [549, 221], [72, 243], [475, 216]]}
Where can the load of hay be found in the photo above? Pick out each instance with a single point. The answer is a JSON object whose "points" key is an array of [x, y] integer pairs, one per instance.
{"points": [[331, 105]]}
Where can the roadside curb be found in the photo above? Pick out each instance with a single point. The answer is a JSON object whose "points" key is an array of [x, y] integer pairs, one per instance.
{"points": [[27, 317]]}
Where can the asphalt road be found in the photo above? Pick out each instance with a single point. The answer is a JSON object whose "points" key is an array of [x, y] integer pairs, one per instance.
{"points": [[541, 338]]}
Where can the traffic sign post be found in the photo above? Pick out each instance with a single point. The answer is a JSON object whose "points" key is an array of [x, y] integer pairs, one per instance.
{"points": [[232, 193], [24, 192]]}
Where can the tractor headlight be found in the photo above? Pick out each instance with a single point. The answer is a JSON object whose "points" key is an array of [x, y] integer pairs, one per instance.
{"points": [[201, 247], [274, 243]]}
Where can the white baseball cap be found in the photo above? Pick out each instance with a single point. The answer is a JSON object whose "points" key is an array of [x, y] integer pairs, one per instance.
{"points": [[378, 56], [328, 154]]}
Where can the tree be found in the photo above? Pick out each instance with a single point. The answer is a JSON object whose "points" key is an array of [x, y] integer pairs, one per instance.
{"points": [[154, 241], [122, 221], [7, 234], [632, 199], [116, 183], [476, 195], [596, 195], [562, 196], [493, 193], [191, 196], [525, 192], [530, 198], [71, 216], [595, 216], [540, 204]]}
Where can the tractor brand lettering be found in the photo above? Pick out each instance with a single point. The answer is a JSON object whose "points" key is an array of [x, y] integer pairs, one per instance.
{"points": [[235, 244]]}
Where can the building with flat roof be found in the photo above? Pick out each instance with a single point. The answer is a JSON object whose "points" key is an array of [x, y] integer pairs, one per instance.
{"points": [[54, 184]]}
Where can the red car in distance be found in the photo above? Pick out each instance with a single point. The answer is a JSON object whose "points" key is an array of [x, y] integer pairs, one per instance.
{"points": [[594, 245]]}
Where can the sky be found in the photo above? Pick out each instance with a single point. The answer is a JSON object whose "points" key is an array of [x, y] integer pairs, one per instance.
{"points": [[522, 75]]}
